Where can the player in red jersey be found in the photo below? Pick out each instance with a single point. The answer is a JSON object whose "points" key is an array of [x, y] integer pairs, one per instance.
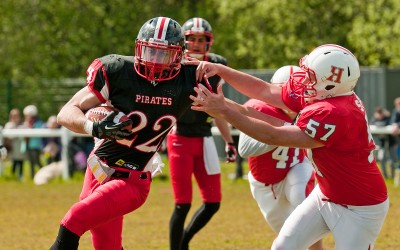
{"points": [[192, 151], [351, 199], [280, 177], [152, 88]]}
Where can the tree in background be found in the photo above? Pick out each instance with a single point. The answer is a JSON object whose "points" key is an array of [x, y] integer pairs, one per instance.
{"points": [[47, 40]]}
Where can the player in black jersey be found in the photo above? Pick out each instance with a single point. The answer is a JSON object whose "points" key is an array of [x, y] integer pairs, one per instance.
{"points": [[152, 88], [191, 148]]}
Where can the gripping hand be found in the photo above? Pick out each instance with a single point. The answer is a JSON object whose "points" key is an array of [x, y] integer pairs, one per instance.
{"points": [[231, 152], [110, 127]]}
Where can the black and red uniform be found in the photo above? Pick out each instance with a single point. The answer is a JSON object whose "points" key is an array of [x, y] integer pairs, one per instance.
{"points": [[154, 109], [185, 151], [186, 157]]}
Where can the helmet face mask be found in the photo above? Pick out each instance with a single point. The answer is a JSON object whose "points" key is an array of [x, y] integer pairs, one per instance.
{"points": [[199, 37], [159, 49], [329, 70]]}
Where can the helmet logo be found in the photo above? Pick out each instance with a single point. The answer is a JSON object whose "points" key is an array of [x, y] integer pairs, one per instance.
{"points": [[336, 74]]}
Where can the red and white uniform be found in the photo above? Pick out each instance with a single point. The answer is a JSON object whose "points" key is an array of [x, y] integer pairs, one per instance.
{"points": [[280, 178], [351, 198]]}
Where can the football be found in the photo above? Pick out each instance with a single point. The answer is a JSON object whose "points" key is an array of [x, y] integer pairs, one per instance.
{"points": [[100, 112]]}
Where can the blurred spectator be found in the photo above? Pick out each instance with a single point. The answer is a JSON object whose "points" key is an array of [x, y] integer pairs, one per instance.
{"points": [[52, 145], [16, 146], [386, 143], [34, 144], [78, 151], [3, 152], [395, 121]]}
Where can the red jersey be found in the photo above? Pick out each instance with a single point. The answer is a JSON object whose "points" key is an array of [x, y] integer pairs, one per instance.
{"points": [[273, 166], [346, 169]]}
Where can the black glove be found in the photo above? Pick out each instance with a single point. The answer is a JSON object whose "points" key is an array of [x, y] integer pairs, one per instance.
{"points": [[107, 129], [231, 152]]}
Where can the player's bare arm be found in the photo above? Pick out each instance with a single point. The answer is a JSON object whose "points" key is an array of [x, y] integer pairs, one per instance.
{"points": [[248, 111], [72, 114], [223, 127], [215, 105], [246, 84]]}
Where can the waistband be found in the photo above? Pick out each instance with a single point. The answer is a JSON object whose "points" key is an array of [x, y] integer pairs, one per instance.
{"points": [[122, 173]]}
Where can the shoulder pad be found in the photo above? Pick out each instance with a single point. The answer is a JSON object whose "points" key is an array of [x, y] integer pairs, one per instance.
{"points": [[114, 62], [215, 58]]}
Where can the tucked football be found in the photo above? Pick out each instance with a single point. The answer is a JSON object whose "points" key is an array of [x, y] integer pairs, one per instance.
{"points": [[100, 112]]}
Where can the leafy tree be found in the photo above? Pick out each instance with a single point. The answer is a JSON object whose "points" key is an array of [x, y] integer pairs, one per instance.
{"points": [[374, 32]]}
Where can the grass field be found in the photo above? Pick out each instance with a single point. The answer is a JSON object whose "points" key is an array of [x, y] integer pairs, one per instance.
{"points": [[29, 217]]}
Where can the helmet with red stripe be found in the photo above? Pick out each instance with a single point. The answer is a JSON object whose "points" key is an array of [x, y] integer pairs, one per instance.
{"points": [[199, 37], [159, 49]]}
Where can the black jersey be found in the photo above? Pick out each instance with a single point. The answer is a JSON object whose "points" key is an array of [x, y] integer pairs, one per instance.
{"points": [[153, 108], [195, 123]]}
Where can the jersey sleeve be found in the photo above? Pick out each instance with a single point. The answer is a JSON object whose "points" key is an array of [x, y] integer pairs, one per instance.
{"points": [[250, 147], [96, 79], [99, 73], [317, 122]]}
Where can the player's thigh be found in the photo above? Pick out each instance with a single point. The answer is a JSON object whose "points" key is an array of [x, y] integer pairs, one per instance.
{"points": [[209, 184], [108, 235], [359, 226], [272, 202], [181, 159], [303, 227], [299, 181]]}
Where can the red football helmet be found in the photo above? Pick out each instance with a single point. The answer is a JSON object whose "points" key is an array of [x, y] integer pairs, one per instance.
{"points": [[159, 49], [197, 27]]}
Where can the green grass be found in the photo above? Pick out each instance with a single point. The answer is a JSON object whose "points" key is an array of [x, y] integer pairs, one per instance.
{"points": [[29, 217]]}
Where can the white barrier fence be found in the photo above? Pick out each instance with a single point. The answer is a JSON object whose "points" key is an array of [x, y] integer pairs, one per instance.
{"points": [[66, 136]]}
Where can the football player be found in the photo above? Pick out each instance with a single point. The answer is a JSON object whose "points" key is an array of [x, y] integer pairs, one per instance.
{"points": [[280, 177], [152, 88], [351, 199], [191, 148]]}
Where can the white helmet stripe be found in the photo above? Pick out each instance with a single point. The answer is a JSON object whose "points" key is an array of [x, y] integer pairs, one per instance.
{"points": [[197, 23], [161, 28]]}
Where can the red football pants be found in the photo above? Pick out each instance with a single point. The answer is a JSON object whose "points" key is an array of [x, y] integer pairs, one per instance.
{"points": [[186, 157], [101, 207]]}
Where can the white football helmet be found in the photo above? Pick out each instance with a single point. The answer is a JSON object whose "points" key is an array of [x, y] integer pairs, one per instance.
{"points": [[330, 70], [283, 74]]}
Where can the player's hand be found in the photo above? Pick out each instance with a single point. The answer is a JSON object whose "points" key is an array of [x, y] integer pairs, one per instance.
{"points": [[231, 152], [3, 152], [108, 129], [206, 101], [204, 69]]}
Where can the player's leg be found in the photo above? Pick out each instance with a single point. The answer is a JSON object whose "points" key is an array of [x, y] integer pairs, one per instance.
{"points": [[300, 181], [272, 202], [66, 239], [99, 207], [303, 227], [210, 189], [176, 225], [108, 235], [181, 160], [358, 226]]}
